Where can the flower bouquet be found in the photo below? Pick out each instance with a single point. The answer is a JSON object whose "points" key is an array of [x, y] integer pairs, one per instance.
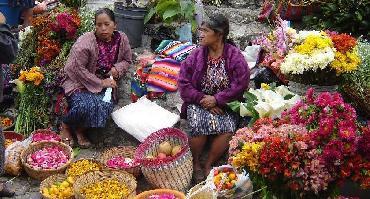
{"points": [[31, 115], [276, 45], [312, 149], [319, 58], [269, 101]]}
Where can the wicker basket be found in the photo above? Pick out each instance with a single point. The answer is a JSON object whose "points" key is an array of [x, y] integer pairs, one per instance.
{"points": [[361, 103], [169, 173], [51, 181], [200, 191], [102, 167], [96, 176], [146, 194], [46, 132], [41, 174], [124, 151]]}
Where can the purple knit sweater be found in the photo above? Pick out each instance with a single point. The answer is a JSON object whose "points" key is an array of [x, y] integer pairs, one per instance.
{"points": [[194, 68]]}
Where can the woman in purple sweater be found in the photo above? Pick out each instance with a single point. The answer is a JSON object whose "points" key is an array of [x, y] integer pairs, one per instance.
{"points": [[213, 75]]}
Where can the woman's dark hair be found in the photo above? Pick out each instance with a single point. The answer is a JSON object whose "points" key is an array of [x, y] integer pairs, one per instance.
{"points": [[106, 11], [220, 24]]}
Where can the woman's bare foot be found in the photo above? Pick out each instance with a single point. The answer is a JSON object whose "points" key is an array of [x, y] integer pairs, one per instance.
{"points": [[66, 135], [82, 139], [207, 169]]}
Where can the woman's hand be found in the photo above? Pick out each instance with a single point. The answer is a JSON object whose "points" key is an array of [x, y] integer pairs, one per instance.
{"points": [[109, 83], [208, 102], [114, 73], [216, 111]]}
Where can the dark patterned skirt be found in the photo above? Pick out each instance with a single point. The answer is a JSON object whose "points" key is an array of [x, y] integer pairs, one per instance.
{"points": [[87, 110], [203, 122]]}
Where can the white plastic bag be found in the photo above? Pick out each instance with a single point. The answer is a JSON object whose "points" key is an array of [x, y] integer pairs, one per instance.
{"points": [[251, 54], [242, 187], [144, 117], [13, 164]]}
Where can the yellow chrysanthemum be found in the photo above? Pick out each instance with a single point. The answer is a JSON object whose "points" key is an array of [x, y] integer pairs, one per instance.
{"points": [[346, 62], [312, 43], [265, 86]]}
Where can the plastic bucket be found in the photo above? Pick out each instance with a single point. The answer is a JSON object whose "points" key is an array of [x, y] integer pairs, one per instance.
{"points": [[11, 13], [131, 22]]}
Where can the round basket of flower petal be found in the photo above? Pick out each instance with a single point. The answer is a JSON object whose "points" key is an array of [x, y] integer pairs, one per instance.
{"points": [[43, 159], [166, 160], [45, 135], [121, 158]]}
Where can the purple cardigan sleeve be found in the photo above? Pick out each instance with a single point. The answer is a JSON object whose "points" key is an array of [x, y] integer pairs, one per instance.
{"points": [[188, 91], [76, 65], [239, 80]]}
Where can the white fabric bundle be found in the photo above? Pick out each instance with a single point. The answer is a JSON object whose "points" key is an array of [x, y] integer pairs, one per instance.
{"points": [[144, 117]]}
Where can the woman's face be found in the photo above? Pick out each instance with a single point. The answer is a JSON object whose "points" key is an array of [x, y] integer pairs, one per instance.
{"points": [[104, 27], [208, 37]]}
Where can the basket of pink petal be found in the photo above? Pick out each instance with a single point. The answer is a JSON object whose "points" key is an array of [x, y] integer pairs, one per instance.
{"points": [[45, 135], [46, 158], [121, 158]]}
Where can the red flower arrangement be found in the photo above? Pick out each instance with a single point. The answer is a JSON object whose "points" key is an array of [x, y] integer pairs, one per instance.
{"points": [[53, 29], [66, 22], [343, 42], [315, 146]]}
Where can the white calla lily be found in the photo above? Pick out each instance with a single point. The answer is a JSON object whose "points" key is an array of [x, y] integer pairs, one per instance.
{"points": [[263, 109], [244, 111]]}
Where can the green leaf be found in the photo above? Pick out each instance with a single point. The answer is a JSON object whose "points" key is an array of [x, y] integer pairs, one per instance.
{"points": [[149, 15], [76, 151], [234, 106], [250, 97], [288, 97], [170, 13], [164, 5]]}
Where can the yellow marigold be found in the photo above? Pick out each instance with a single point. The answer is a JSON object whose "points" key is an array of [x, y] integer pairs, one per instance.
{"points": [[313, 42], [346, 62], [33, 75], [22, 76]]}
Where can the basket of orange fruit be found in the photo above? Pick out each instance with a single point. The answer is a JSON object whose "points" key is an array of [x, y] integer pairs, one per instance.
{"points": [[224, 180]]}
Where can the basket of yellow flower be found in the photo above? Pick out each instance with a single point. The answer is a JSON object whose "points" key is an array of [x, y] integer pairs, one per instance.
{"points": [[104, 185], [57, 186], [82, 166]]}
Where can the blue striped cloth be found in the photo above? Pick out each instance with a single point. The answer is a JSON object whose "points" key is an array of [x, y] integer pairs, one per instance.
{"points": [[88, 110]]}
